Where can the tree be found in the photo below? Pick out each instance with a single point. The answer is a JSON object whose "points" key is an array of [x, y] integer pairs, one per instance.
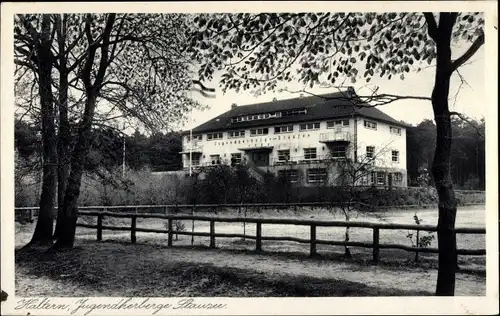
{"points": [[351, 173], [34, 47], [467, 158], [421, 140], [260, 50], [117, 66], [163, 151]]}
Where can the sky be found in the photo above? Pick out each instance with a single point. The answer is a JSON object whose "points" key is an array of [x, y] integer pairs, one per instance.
{"points": [[470, 100]]}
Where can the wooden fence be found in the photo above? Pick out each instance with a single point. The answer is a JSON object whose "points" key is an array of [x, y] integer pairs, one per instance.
{"points": [[313, 241], [31, 210]]}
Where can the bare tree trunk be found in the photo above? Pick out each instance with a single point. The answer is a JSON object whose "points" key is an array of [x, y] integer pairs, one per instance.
{"points": [[64, 138], [66, 238], [44, 225], [441, 162], [347, 251], [70, 207]]}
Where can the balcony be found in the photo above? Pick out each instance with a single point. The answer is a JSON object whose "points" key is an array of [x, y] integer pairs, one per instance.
{"points": [[334, 137], [192, 147]]}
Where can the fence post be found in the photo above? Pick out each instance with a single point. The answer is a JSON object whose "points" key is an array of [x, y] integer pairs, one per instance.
{"points": [[313, 240], [99, 227], [258, 239], [170, 232], [376, 240], [212, 234], [132, 231], [418, 245]]}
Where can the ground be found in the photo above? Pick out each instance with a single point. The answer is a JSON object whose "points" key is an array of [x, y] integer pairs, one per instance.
{"points": [[115, 267]]}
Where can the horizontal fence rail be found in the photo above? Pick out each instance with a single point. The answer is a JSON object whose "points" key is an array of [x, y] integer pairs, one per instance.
{"points": [[247, 205], [104, 211]]}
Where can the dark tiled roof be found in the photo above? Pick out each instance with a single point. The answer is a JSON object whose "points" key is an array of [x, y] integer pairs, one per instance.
{"points": [[325, 106]]}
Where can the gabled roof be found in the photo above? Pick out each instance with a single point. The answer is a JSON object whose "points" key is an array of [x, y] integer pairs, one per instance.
{"points": [[321, 107]]}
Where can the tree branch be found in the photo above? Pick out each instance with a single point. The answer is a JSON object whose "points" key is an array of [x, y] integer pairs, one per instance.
{"points": [[363, 101], [431, 25], [468, 121], [468, 54]]}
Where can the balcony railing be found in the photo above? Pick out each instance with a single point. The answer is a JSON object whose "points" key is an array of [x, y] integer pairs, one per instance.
{"points": [[334, 137], [195, 147]]}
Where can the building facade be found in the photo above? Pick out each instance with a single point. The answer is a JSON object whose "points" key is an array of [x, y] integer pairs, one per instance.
{"points": [[314, 140]]}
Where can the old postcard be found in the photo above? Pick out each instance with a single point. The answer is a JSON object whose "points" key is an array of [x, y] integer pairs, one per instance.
{"points": [[257, 158]]}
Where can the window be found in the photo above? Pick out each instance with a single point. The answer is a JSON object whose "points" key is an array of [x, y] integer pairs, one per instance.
{"points": [[370, 151], [293, 112], [259, 131], [309, 126], [236, 134], [284, 155], [215, 159], [316, 175], [259, 116], [195, 137], [395, 156], [395, 130], [235, 158], [310, 153], [195, 160], [338, 151], [337, 123], [370, 124], [291, 175], [331, 124], [283, 129], [212, 136], [381, 178], [398, 177]]}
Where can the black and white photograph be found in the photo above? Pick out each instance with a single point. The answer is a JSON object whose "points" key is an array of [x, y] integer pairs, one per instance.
{"points": [[223, 158]]}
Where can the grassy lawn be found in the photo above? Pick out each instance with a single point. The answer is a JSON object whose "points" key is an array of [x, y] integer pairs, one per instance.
{"points": [[115, 267], [112, 269]]}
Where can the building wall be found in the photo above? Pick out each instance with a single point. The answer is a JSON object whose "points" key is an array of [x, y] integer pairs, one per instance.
{"points": [[384, 142], [295, 141], [382, 139]]}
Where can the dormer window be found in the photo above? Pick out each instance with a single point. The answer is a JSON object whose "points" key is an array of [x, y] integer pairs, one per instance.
{"points": [[293, 112], [260, 116]]}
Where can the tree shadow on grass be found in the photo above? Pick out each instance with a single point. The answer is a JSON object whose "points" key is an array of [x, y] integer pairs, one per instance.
{"points": [[393, 259], [127, 271]]}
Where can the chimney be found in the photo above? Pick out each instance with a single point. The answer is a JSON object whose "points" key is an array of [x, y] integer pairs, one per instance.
{"points": [[275, 99], [233, 106], [301, 95]]}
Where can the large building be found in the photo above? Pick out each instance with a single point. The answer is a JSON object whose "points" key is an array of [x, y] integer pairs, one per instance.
{"points": [[313, 139]]}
